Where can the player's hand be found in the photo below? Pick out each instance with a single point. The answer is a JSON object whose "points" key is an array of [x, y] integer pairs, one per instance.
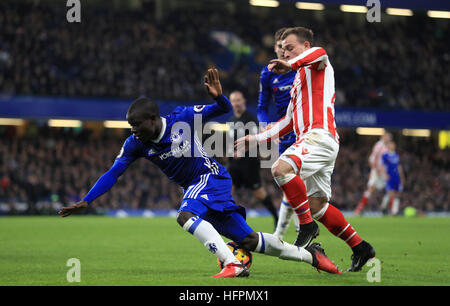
{"points": [[275, 140], [243, 144], [279, 66], [74, 208], [212, 83]]}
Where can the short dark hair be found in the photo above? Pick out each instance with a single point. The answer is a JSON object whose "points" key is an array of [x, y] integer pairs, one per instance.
{"points": [[278, 34], [145, 106], [303, 34]]}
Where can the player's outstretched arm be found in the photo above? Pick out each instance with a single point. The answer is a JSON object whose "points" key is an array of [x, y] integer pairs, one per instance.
{"points": [[104, 183]]}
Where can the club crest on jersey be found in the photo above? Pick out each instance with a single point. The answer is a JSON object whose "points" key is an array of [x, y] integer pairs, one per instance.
{"points": [[284, 88], [199, 108], [175, 137]]}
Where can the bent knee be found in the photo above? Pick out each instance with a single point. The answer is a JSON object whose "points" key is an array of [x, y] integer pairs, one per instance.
{"points": [[281, 168], [183, 216]]}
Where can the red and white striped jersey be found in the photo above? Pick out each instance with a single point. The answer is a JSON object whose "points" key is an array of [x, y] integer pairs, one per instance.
{"points": [[312, 98], [377, 151]]}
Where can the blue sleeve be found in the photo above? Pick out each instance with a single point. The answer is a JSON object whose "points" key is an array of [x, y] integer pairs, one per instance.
{"points": [[127, 155], [209, 111], [264, 97], [106, 181]]}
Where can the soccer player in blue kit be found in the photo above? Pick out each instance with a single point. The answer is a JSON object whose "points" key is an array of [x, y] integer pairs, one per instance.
{"points": [[395, 177], [277, 88], [207, 209]]}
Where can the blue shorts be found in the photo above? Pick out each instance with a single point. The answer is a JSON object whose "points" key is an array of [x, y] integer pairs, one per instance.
{"points": [[393, 184], [210, 198], [230, 224]]}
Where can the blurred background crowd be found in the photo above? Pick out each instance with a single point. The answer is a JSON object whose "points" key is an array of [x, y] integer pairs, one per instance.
{"points": [[398, 63], [48, 167], [401, 63]]}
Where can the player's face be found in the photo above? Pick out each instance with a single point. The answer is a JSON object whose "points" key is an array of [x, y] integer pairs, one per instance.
{"points": [[237, 101], [293, 47], [142, 127], [279, 50]]}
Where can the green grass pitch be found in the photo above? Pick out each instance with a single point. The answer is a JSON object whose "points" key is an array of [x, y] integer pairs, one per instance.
{"points": [[156, 251]]}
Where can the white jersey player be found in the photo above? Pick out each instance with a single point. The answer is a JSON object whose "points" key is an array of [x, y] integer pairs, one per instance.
{"points": [[377, 179]]}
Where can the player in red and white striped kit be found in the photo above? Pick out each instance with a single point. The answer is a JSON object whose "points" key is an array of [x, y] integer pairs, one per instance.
{"points": [[304, 170], [376, 176]]}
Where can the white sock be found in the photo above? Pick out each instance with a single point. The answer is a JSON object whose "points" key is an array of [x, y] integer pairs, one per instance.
{"points": [[210, 238], [284, 219], [270, 245], [395, 206], [385, 201]]}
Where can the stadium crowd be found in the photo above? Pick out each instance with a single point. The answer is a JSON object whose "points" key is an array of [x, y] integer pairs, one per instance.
{"points": [[49, 167], [123, 54]]}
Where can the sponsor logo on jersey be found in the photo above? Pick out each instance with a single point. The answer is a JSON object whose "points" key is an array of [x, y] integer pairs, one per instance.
{"points": [[178, 151]]}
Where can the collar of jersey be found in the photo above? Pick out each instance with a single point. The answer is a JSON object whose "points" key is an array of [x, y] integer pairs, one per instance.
{"points": [[163, 130]]}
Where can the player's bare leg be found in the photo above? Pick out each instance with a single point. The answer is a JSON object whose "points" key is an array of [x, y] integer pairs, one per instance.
{"points": [[212, 240]]}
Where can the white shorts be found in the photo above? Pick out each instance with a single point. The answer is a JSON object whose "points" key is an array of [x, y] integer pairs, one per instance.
{"points": [[313, 158], [376, 180]]}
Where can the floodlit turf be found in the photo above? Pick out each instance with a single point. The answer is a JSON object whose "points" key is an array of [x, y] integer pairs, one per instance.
{"points": [[156, 251]]}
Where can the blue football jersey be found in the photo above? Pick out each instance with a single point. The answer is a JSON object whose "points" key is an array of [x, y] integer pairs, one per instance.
{"points": [[277, 88], [391, 161], [178, 151]]}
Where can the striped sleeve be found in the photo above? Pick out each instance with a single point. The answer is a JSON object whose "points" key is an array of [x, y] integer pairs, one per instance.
{"points": [[279, 129], [309, 57]]}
